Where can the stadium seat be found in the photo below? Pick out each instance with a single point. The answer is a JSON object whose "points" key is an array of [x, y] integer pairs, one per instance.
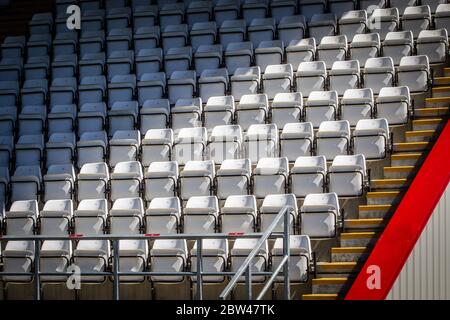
{"points": [[201, 214], [92, 147], [270, 177], [124, 146], [393, 104], [252, 109], [219, 110], [290, 27], [379, 73], [225, 142], [148, 61], [433, 44], [331, 49], [245, 81], [182, 85], [322, 25], [240, 251], [239, 214], [261, 141], [320, 106], [371, 138], [352, 22], [202, 33], [277, 78], [416, 19], [174, 36], [298, 51], [208, 57], [344, 75], [357, 104], [319, 215], [384, 20], [364, 47], [414, 72], [197, 179], [93, 181], [123, 115], [226, 10], [311, 76], [190, 144], [308, 175], [92, 116], [30, 150], [154, 114], [214, 259], [126, 180], [213, 82], [156, 146], [168, 255], [161, 180], [398, 45], [177, 59], [26, 183], [233, 178], [347, 175], [272, 205], [286, 108], [146, 37], [269, 53], [333, 138], [163, 216], [59, 182], [296, 140]]}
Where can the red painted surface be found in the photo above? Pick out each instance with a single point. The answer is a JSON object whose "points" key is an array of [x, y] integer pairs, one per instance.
{"points": [[404, 229]]}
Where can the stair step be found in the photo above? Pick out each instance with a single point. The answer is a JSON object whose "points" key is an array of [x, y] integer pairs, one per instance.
{"points": [[447, 71], [440, 92], [431, 112], [389, 183], [419, 135], [398, 172], [383, 197], [330, 285], [321, 296], [358, 239], [336, 268], [374, 211], [411, 146], [365, 224], [426, 124], [441, 81], [349, 254], [438, 102]]}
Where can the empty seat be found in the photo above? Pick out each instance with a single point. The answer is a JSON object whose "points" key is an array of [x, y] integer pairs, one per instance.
{"points": [[214, 259], [63, 91], [379, 73], [414, 72], [187, 113], [201, 215], [146, 37], [357, 104], [239, 214], [219, 110], [213, 82], [433, 44], [252, 109], [168, 256], [442, 15], [308, 175], [177, 59], [92, 42], [322, 25], [331, 49], [233, 178], [8, 118], [64, 65], [197, 179], [39, 44], [320, 215], [126, 180], [344, 75], [171, 14], [22, 218], [238, 55], [119, 40], [93, 181], [365, 46], [225, 142], [11, 69], [156, 146], [232, 31], [226, 10], [398, 45], [163, 216], [124, 146], [290, 27], [277, 78], [92, 16], [352, 22], [299, 51], [296, 140], [311, 76], [151, 86], [245, 81], [26, 183], [30, 150], [402, 4], [203, 33], [333, 138], [182, 85], [384, 20], [254, 9], [272, 205], [198, 11], [92, 147], [286, 108], [416, 19], [123, 115], [261, 141], [261, 29], [208, 57], [6, 150], [240, 251], [371, 138], [117, 18], [393, 104], [269, 53], [92, 116], [321, 106], [60, 148], [59, 182], [347, 175], [34, 92], [308, 8], [32, 120], [154, 114], [92, 89], [13, 46], [270, 177], [9, 93], [121, 88], [161, 180], [174, 36], [148, 61], [92, 64], [4, 185]]}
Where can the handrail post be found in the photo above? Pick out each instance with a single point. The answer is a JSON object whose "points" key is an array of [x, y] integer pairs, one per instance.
{"points": [[116, 270], [199, 269], [37, 266], [248, 281], [286, 247]]}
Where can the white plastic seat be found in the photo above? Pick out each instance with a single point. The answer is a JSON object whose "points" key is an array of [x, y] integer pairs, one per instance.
{"points": [[182, 85], [146, 37], [163, 216], [174, 36], [151, 86], [414, 72], [371, 138], [286, 108], [18, 256], [308, 175], [198, 11], [379, 73], [333, 138], [240, 251], [300, 254], [254, 9], [126, 180], [357, 104], [91, 64], [277, 79], [168, 256], [226, 10], [201, 215], [154, 114], [190, 144], [59, 182], [290, 27], [156, 146], [30, 150], [232, 31], [299, 51], [331, 49], [208, 57], [398, 45], [26, 183], [352, 22], [32, 120], [272, 205], [261, 141], [311, 76], [225, 142], [402, 4], [347, 175], [365, 46], [214, 259], [92, 256], [93, 181], [269, 53], [252, 109], [124, 146], [177, 59], [197, 179], [261, 29], [121, 88], [63, 91], [123, 115], [119, 40], [161, 180], [270, 177], [219, 110], [344, 75], [213, 82], [60, 149], [233, 178], [384, 20], [393, 104], [92, 147], [171, 14], [238, 55], [203, 33], [148, 61], [92, 89], [441, 16], [92, 116], [433, 44], [322, 25], [416, 19], [245, 81], [239, 214], [320, 215], [296, 140], [22, 217], [321, 106]]}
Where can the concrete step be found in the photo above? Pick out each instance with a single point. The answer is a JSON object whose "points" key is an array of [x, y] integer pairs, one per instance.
{"points": [[331, 285], [410, 146], [358, 239], [323, 296], [447, 71], [383, 197], [368, 224], [426, 124], [349, 254], [431, 112], [441, 91], [398, 172], [438, 102], [386, 184], [419, 135], [337, 268], [405, 159], [441, 81], [374, 211]]}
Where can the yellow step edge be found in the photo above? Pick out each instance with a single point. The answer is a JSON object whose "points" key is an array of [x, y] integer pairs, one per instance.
{"points": [[420, 133], [405, 156], [437, 99], [374, 207], [382, 194], [407, 145], [337, 265], [320, 296], [359, 222], [398, 169], [427, 121], [441, 89], [329, 281], [358, 235], [431, 111], [383, 182], [342, 250], [440, 80]]}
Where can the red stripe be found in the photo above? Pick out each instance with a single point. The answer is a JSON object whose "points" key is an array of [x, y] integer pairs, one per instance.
{"points": [[404, 229]]}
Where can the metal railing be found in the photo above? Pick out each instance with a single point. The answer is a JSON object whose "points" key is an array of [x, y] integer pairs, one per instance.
{"points": [[36, 272]]}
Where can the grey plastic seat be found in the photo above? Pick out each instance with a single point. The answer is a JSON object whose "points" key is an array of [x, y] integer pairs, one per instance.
{"points": [[398, 45], [352, 22], [299, 51]]}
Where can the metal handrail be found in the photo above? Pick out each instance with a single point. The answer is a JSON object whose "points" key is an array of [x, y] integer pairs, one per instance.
{"points": [[246, 265]]}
